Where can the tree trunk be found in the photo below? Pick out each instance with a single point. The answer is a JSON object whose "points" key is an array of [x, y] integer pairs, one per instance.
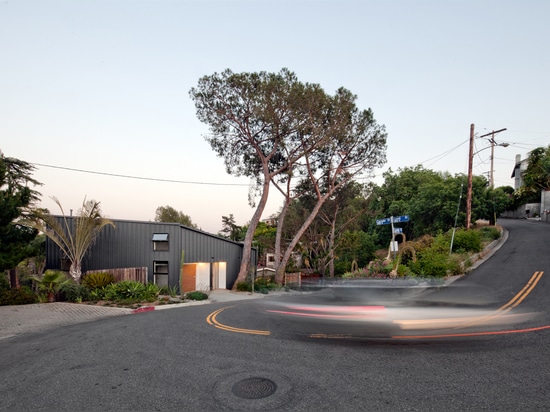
{"points": [[301, 231], [279, 269], [14, 280], [247, 246], [331, 247], [76, 271]]}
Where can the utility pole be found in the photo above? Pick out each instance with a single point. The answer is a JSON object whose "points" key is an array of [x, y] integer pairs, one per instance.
{"points": [[493, 143], [469, 187]]}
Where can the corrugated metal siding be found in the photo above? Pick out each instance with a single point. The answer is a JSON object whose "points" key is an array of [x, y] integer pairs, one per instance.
{"points": [[130, 244]]}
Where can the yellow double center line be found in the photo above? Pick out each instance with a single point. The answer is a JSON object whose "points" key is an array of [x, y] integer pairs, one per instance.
{"points": [[514, 302], [211, 319], [522, 294]]}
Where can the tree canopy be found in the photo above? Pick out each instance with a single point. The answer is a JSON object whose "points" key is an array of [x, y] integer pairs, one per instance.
{"points": [[168, 214], [16, 200], [74, 235], [271, 127], [536, 177]]}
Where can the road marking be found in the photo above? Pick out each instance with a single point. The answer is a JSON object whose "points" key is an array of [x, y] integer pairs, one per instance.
{"points": [[523, 293], [513, 303], [212, 320], [455, 335]]}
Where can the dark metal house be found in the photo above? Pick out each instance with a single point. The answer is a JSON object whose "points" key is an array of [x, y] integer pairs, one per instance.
{"points": [[174, 255]]}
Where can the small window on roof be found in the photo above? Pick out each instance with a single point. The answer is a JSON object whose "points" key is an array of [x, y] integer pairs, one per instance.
{"points": [[160, 242]]}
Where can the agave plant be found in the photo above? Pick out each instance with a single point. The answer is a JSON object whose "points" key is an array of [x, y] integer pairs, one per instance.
{"points": [[50, 282]]}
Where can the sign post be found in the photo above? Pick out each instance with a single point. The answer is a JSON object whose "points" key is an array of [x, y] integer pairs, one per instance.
{"points": [[394, 230]]}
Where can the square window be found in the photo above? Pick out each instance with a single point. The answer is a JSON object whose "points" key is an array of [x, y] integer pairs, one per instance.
{"points": [[160, 242]]}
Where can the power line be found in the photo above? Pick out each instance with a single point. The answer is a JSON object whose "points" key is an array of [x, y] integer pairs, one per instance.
{"points": [[138, 177]]}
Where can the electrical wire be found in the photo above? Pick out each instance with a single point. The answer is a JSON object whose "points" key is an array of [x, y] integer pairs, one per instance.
{"points": [[138, 177]]}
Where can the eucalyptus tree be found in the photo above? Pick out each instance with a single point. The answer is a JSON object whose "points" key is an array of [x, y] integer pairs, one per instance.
{"points": [[73, 235], [261, 124]]}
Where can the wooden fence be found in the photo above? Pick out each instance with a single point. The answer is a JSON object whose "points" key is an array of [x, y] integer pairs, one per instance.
{"points": [[138, 274]]}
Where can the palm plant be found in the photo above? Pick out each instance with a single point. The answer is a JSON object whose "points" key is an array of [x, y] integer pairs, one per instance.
{"points": [[50, 282], [74, 236]]}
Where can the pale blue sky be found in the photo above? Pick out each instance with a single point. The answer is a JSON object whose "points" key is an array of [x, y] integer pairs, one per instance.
{"points": [[103, 86]]}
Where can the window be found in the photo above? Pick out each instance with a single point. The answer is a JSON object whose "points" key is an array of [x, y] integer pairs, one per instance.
{"points": [[160, 272], [160, 242]]}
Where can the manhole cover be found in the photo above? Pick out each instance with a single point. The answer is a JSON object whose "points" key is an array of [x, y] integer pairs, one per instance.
{"points": [[261, 390], [254, 388]]}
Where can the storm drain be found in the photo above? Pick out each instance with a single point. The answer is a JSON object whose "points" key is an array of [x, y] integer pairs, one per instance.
{"points": [[254, 388]]}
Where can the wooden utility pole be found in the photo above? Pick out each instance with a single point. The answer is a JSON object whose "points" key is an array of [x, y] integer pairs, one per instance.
{"points": [[469, 189], [493, 144]]}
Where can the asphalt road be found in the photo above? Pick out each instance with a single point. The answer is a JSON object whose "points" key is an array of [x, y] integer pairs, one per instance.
{"points": [[237, 356]]}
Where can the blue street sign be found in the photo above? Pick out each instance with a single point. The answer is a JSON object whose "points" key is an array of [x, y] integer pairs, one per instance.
{"points": [[396, 219], [397, 230], [385, 221]]}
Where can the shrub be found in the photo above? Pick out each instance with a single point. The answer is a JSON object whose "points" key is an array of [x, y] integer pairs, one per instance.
{"points": [[172, 291], [490, 233], [431, 264], [151, 292], [50, 282], [4, 282], [22, 296], [244, 287], [467, 241], [97, 294], [196, 295], [98, 280], [265, 284], [125, 290], [71, 292]]}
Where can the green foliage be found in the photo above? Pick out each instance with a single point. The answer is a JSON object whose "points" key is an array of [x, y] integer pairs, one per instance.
{"points": [[265, 284], [96, 295], [126, 291], [376, 269], [98, 280], [170, 215], [72, 292], [435, 264], [244, 286], [467, 241], [16, 197], [196, 295], [50, 282], [22, 296], [4, 282], [490, 233], [73, 235], [172, 291], [355, 248]]}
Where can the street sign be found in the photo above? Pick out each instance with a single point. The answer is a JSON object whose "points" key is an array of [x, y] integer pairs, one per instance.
{"points": [[396, 219], [397, 230]]}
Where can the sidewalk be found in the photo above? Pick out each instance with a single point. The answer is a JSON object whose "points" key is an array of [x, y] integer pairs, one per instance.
{"points": [[21, 319]]}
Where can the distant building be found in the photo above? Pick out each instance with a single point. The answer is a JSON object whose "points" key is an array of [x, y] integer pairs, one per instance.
{"points": [[519, 168], [174, 255]]}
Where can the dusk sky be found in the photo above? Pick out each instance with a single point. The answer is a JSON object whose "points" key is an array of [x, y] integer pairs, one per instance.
{"points": [[94, 90]]}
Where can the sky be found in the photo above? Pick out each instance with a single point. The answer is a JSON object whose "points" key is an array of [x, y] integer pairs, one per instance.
{"points": [[95, 93]]}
